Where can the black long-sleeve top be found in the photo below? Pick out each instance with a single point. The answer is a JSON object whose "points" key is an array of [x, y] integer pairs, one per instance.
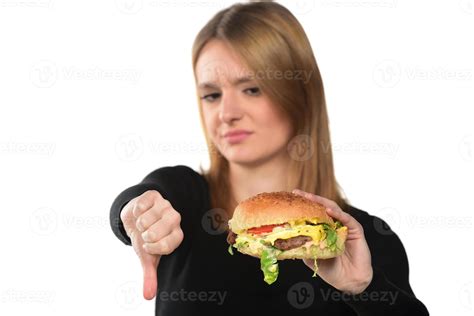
{"points": [[201, 278]]}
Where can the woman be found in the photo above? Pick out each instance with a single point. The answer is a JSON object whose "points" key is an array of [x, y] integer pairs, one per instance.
{"points": [[263, 112]]}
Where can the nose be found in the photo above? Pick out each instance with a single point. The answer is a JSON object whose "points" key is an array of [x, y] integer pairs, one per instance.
{"points": [[230, 109]]}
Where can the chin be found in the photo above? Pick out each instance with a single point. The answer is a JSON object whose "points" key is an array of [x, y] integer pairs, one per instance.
{"points": [[243, 157]]}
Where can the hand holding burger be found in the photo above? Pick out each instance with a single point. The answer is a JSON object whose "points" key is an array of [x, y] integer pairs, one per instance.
{"points": [[352, 271], [282, 225]]}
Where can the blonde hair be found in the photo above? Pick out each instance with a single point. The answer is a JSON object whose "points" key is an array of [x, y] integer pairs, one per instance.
{"points": [[268, 37]]}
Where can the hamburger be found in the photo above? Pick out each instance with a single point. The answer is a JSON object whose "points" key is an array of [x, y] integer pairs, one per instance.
{"points": [[281, 225]]}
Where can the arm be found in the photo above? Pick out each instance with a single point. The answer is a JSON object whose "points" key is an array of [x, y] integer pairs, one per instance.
{"points": [[372, 267], [145, 217], [389, 291]]}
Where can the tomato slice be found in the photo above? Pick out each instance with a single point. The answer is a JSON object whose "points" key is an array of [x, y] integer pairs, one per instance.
{"points": [[263, 229]]}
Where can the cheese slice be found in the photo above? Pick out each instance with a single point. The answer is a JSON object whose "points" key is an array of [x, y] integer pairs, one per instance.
{"points": [[315, 232]]}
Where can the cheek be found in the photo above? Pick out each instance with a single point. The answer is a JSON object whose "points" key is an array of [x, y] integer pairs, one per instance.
{"points": [[210, 122], [273, 122]]}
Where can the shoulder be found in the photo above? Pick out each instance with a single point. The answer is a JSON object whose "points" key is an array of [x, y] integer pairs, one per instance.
{"points": [[377, 231], [369, 222]]}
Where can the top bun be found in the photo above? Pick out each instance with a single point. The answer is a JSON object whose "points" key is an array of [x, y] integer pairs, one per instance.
{"points": [[276, 208]]}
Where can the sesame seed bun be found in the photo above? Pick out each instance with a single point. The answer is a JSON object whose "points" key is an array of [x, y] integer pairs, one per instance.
{"points": [[271, 208]]}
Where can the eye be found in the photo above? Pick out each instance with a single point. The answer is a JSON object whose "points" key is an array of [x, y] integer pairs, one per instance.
{"points": [[211, 97], [255, 91]]}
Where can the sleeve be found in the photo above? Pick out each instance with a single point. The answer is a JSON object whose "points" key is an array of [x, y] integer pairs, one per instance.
{"points": [[389, 292], [177, 184]]}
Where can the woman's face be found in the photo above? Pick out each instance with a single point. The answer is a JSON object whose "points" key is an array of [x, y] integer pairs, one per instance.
{"points": [[231, 100]]}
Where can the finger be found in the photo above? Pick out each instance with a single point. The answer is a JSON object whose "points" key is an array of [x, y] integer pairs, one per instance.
{"points": [[309, 263], [345, 219], [332, 209], [166, 245], [150, 280], [162, 227], [145, 201], [152, 215], [317, 198]]}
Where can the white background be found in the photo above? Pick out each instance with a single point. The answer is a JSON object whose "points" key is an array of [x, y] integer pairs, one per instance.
{"points": [[94, 95]]}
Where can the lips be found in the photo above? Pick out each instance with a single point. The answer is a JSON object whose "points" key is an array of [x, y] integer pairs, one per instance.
{"points": [[237, 132], [236, 136]]}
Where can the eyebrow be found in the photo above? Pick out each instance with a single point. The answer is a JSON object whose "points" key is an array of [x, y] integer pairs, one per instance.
{"points": [[235, 82]]}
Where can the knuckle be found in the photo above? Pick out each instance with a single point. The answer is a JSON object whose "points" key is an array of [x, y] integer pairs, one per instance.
{"points": [[166, 204], [141, 222], [153, 195], [333, 205], [175, 217], [180, 235], [149, 193], [139, 207], [125, 214], [149, 236], [165, 247]]}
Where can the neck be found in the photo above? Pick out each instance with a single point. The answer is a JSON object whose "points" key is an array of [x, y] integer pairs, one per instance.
{"points": [[249, 180]]}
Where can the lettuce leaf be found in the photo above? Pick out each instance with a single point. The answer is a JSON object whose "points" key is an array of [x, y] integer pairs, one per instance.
{"points": [[230, 250], [269, 264], [331, 237], [315, 266]]}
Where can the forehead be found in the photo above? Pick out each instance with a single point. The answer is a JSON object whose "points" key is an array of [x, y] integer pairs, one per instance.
{"points": [[218, 63]]}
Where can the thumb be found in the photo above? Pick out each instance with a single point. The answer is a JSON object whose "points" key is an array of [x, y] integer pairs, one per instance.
{"points": [[150, 279], [309, 263]]}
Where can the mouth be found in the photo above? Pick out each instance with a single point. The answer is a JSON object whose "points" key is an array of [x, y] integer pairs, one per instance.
{"points": [[235, 138]]}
